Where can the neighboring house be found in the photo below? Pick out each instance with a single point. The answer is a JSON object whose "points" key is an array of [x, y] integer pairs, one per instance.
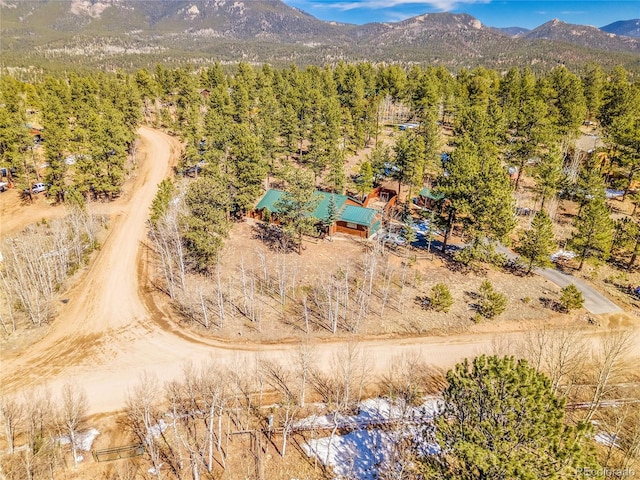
{"points": [[352, 218], [428, 199]]}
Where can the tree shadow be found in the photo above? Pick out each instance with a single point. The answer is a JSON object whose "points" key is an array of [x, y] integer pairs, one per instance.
{"points": [[273, 237], [551, 304]]}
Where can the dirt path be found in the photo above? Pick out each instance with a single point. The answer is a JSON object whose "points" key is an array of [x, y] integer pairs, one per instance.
{"points": [[110, 331]]}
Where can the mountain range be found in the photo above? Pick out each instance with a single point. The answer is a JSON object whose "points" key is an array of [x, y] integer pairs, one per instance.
{"points": [[132, 32]]}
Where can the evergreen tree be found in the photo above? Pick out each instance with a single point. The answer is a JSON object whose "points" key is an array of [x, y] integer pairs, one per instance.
{"points": [[571, 298], [365, 178], [501, 419], [537, 243], [332, 214], [593, 233], [409, 160], [548, 174], [627, 239], [441, 299], [296, 206], [160, 203], [245, 166], [478, 193], [593, 83], [205, 224], [56, 124], [492, 303]]}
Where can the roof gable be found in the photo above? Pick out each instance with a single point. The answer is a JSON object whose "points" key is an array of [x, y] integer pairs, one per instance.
{"points": [[358, 215]]}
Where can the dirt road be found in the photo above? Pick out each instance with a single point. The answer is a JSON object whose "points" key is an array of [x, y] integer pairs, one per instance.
{"points": [[110, 331]]}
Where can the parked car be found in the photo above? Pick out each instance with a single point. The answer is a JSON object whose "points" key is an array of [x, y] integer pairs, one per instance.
{"points": [[38, 188], [393, 238]]}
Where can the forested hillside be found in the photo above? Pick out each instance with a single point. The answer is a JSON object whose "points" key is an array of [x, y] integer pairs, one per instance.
{"points": [[132, 34]]}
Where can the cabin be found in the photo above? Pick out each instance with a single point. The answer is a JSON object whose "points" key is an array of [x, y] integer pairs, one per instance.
{"points": [[428, 199], [352, 217]]}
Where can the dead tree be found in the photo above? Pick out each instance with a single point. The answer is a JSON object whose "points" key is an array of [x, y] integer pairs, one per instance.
{"points": [[12, 414], [72, 415], [610, 363]]}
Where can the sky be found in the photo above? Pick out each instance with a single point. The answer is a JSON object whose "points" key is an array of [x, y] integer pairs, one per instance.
{"points": [[493, 13]]}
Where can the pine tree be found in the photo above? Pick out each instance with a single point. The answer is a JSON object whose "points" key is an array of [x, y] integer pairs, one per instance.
{"points": [[593, 233], [441, 299], [205, 224], [537, 243], [332, 214], [571, 298], [492, 303], [365, 180], [501, 419], [409, 160], [295, 207], [548, 174]]}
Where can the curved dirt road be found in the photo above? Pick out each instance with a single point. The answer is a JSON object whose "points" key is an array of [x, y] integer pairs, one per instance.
{"points": [[110, 332]]}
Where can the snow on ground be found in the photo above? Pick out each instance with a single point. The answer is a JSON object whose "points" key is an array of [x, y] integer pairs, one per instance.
{"points": [[84, 439], [365, 452], [613, 193], [359, 454], [606, 439], [374, 411], [563, 255]]}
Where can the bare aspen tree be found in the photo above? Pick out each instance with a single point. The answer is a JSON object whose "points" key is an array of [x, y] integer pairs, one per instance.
{"points": [[403, 283], [386, 286], [304, 361], [290, 412], [560, 354], [244, 281], [12, 414], [282, 273], [212, 390], [37, 262], [144, 420], [293, 277], [349, 371], [72, 414], [610, 363], [403, 379], [279, 378], [262, 258], [219, 297], [9, 305]]}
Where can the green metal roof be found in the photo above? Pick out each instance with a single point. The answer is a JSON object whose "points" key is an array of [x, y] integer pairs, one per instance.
{"points": [[428, 193], [269, 200], [321, 212], [358, 215]]}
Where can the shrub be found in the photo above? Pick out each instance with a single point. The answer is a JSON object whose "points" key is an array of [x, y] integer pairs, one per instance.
{"points": [[441, 299], [571, 298], [492, 303]]}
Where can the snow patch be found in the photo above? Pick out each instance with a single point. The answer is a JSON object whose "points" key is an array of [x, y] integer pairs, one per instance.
{"points": [[563, 255], [86, 7], [606, 439], [193, 11], [84, 440], [368, 450]]}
